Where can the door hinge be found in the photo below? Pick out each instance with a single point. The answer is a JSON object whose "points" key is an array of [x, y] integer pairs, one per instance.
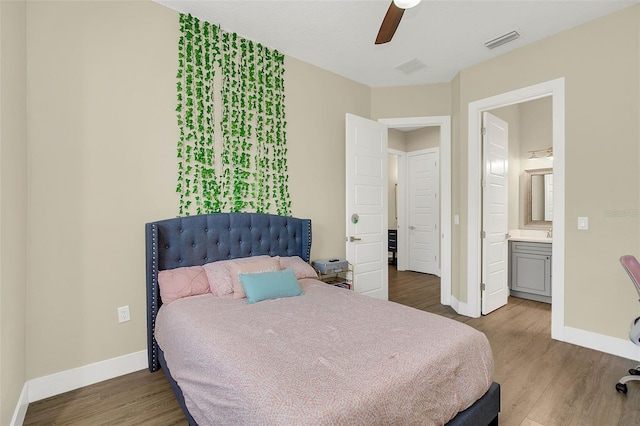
{"points": [[482, 286], [483, 182], [483, 234], [484, 131]]}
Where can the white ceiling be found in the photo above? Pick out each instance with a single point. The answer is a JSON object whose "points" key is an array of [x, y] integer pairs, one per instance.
{"points": [[446, 35]]}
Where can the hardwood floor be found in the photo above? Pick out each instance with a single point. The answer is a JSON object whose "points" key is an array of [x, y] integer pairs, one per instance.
{"points": [[543, 381], [140, 398]]}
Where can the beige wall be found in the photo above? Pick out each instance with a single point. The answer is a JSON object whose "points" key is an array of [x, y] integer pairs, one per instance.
{"points": [[424, 138], [102, 135], [600, 64], [535, 134], [536, 127], [397, 140], [411, 101], [13, 202], [316, 142]]}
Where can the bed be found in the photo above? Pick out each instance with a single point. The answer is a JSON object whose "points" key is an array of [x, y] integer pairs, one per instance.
{"points": [[308, 359]]}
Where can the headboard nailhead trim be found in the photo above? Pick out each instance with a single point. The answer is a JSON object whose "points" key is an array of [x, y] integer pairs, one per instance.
{"points": [[154, 292]]}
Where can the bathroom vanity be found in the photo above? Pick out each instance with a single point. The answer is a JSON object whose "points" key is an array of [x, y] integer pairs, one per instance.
{"points": [[530, 268], [530, 244]]}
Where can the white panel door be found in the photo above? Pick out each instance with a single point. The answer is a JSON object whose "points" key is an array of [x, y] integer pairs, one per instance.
{"points": [[424, 212], [494, 214], [366, 205]]}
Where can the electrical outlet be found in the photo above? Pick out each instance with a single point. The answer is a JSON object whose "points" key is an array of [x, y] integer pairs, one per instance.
{"points": [[123, 314]]}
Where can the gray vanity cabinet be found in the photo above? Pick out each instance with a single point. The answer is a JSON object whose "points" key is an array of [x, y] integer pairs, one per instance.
{"points": [[530, 266]]}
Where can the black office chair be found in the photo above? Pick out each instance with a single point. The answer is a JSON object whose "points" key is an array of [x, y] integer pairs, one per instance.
{"points": [[631, 265]]}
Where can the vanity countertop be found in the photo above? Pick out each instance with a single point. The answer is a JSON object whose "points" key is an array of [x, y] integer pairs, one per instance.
{"points": [[533, 236], [532, 239]]}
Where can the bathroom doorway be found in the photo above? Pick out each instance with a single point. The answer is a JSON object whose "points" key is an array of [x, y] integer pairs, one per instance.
{"points": [[554, 89]]}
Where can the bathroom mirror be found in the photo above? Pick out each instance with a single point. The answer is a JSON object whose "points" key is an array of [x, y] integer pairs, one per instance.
{"points": [[538, 203]]}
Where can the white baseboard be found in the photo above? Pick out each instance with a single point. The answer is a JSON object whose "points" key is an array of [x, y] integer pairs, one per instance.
{"points": [[599, 342], [21, 407], [612, 345], [461, 308], [55, 384]]}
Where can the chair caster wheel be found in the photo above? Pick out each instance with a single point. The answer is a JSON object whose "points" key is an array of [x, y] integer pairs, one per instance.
{"points": [[621, 387]]}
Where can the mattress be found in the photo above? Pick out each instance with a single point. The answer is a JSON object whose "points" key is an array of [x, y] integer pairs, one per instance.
{"points": [[329, 356]]}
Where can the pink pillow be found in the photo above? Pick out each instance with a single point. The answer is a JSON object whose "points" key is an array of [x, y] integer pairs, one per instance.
{"points": [[219, 278], [243, 266], [301, 268], [182, 282], [219, 274]]}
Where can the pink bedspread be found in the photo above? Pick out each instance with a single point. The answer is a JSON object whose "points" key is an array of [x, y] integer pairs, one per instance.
{"points": [[327, 357]]}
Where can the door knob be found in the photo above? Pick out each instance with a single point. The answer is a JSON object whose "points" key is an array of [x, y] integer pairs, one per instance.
{"points": [[352, 239], [411, 227]]}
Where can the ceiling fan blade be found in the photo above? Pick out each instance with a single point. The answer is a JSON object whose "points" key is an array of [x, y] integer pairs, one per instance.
{"points": [[389, 24]]}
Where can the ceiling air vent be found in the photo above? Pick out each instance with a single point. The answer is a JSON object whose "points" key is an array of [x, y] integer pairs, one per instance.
{"points": [[503, 39], [410, 66]]}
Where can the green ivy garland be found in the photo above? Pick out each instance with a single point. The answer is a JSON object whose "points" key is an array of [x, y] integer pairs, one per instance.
{"points": [[244, 121]]}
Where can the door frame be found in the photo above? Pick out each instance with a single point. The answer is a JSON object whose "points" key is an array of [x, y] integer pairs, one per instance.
{"points": [[555, 89], [444, 122], [401, 205]]}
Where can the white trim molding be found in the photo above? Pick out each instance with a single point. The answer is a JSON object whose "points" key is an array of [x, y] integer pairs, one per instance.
{"points": [[65, 381], [401, 255], [555, 89], [599, 342], [55, 384], [21, 407]]}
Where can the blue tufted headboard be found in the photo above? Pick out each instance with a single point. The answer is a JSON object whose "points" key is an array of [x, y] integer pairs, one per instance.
{"points": [[196, 240]]}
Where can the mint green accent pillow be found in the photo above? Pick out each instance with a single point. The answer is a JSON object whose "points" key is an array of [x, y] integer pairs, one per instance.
{"points": [[270, 285]]}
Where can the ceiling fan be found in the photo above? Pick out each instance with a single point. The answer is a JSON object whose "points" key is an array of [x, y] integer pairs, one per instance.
{"points": [[392, 19]]}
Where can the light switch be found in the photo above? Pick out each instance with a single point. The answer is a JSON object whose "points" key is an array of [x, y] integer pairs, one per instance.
{"points": [[583, 223], [456, 219]]}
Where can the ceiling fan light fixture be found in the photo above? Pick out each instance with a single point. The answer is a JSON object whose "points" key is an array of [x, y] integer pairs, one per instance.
{"points": [[406, 4]]}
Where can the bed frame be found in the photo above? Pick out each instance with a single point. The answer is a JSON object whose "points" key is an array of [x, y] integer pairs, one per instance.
{"points": [[196, 240]]}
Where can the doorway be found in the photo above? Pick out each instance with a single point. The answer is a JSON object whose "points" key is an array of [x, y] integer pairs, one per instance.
{"points": [[413, 174], [444, 144], [555, 89]]}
